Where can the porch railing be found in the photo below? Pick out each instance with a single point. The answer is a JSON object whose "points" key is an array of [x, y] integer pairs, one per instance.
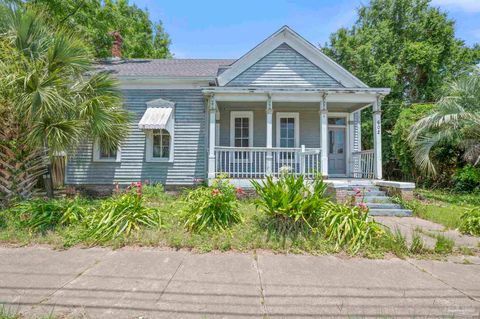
{"points": [[363, 164], [258, 162]]}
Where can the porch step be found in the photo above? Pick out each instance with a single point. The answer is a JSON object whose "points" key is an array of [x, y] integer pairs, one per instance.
{"points": [[374, 199], [383, 206], [368, 192], [390, 212]]}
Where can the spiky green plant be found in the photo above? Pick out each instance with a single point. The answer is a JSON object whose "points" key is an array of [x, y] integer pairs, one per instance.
{"points": [[455, 121], [214, 207]]}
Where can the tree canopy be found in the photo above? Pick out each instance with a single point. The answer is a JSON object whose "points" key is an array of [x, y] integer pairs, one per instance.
{"points": [[96, 19], [47, 104], [406, 45]]}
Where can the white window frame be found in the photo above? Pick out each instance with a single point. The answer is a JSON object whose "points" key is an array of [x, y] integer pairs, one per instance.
{"points": [[241, 114], [96, 153], [149, 148], [296, 117]]}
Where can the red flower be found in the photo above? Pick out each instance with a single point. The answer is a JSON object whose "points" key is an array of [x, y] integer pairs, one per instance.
{"points": [[215, 192], [239, 191]]}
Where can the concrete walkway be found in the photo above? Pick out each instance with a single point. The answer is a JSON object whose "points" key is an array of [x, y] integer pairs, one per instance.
{"points": [[427, 230], [149, 283]]}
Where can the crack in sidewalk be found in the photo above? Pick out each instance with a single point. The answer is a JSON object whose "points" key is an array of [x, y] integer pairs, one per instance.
{"points": [[262, 290], [170, 280], [95, 263], [442, 281]]}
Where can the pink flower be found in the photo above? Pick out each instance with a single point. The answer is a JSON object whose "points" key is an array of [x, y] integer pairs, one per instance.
{"points": [[216, 192], [239, 191]]}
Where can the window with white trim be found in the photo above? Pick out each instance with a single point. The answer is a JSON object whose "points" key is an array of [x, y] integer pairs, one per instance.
{"points": [[102, 153], [159, 146], [287, 132], [241, 131]]}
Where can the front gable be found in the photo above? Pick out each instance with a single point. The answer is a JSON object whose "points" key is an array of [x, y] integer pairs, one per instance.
{"points": [[284, 67], [285, 59]]}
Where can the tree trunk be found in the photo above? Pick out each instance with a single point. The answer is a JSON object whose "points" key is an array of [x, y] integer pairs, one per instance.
{"points": [[47, 177]]}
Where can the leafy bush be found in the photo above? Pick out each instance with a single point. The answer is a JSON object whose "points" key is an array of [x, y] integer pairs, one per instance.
{"points": [[292, 203], [120, 215], [467, 179], [42, 214], [214, 207], [349, 226], [401, 147], [470, 222]]}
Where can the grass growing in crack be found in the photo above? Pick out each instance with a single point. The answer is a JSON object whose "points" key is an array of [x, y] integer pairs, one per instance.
{"points": [[417, 246], [443, 245]]}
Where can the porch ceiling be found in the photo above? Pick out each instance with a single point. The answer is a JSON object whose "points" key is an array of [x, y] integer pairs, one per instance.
{"points": [[338, 100], [331, 106]]}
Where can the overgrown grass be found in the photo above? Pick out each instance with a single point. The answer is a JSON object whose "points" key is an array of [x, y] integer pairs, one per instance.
{"points": [[443, 207], [254, 232]]}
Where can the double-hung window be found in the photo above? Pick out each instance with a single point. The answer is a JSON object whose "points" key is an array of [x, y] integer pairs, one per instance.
{"points": [[287, 133], [159, 146], [241, 132]]}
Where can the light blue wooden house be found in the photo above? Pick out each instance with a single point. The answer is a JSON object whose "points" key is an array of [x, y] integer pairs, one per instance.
{"points": [[282, 105]]}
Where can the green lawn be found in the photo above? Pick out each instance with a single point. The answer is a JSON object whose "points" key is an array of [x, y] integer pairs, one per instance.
{"points": [[443, 207]]}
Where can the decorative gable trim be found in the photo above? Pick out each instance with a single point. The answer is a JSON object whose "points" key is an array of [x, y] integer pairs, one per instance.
{"points": [[299, 44]]}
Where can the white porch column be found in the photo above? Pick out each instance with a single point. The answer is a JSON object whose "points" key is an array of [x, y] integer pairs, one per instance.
{"points": [[377, 137], [212, 107], [355, 128], [269, 158], [324, 136]]}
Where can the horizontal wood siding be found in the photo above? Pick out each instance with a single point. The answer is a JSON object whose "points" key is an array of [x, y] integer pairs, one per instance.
{"points": [[284, 67], [190, 152]]}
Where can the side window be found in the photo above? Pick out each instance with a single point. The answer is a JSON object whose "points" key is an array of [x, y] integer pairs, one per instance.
{"points": [[159, 146], [101, 153]]}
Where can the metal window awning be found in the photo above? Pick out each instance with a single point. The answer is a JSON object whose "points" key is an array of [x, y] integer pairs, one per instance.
{"points": [[158, 116]]}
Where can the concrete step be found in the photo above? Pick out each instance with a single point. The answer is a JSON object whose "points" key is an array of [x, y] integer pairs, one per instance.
{"points": [[368, 193], [383, 206], [370, 188], [390, 212], [374, 199]]}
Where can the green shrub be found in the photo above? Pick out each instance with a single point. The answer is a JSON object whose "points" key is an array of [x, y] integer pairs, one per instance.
{"points": [[292, 203], [467, 179], [44, 214], [401, 147], [119, 216], [214, 207], [349, 226], [470, 222]]}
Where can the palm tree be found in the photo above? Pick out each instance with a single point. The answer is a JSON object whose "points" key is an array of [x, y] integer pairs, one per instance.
{"points": [[455, 121], [53, 97]]}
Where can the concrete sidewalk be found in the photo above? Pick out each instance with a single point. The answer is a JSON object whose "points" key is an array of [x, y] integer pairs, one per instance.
{"points": [[149, 283]]}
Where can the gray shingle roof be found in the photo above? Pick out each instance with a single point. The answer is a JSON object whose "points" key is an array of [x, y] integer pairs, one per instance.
{"points": [[164, 67]]}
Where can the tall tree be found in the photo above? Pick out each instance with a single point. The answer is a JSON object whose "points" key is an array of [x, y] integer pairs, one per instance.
{"points": [[96, 19], [406, 45], [50, 103], [161, 42]]}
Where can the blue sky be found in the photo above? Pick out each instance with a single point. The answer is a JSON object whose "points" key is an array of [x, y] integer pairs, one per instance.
{"points": [[228, 29]]}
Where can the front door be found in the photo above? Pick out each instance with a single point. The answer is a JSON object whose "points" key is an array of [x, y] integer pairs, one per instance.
{"points": [[336, 151]]}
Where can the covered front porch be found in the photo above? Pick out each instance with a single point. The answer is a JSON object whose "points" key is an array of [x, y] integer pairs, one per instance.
{"points": [[254, 133]]}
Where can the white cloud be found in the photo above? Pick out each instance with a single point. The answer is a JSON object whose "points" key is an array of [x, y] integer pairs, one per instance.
{"points": [[471, 6]]}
